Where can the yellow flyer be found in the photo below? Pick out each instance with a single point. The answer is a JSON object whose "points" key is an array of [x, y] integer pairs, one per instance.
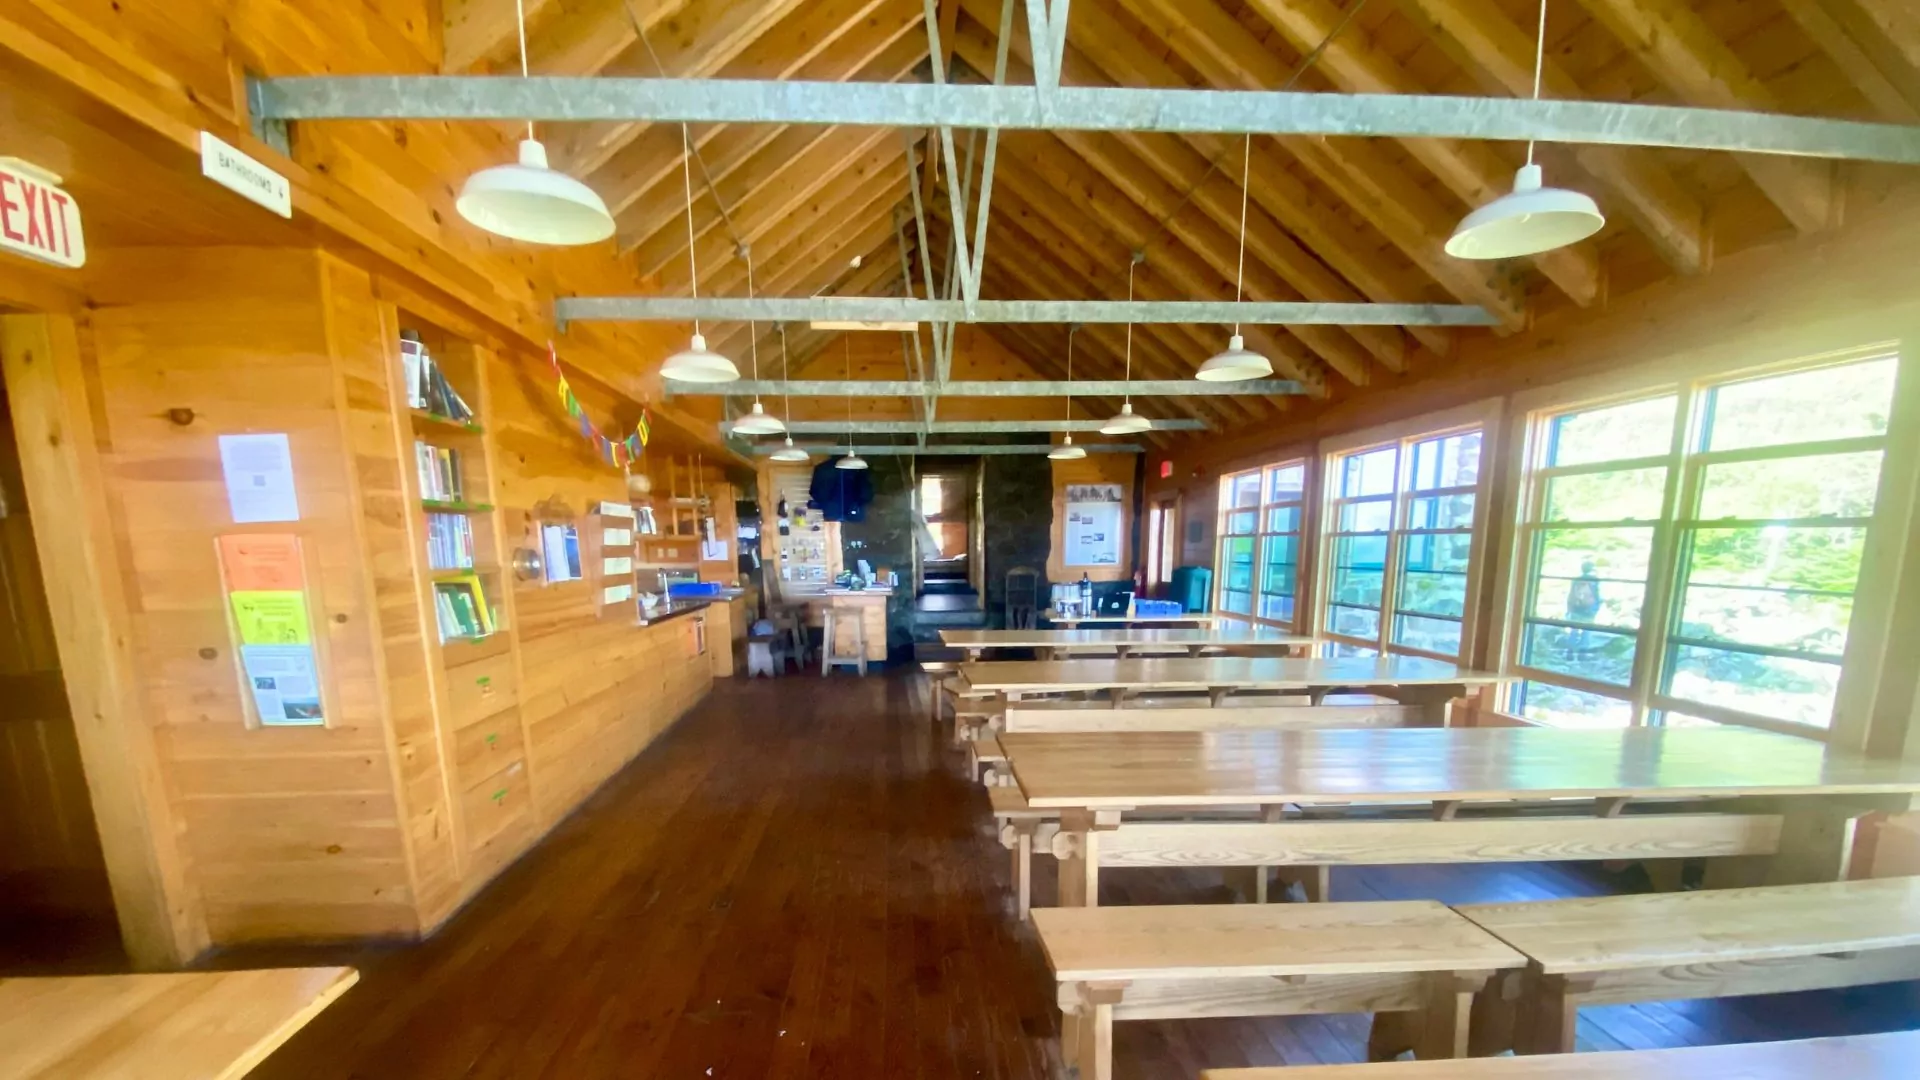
{"points": [[277, 617]]}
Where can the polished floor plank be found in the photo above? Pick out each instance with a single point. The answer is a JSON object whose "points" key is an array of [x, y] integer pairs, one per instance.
{"points": [[797, 881]]}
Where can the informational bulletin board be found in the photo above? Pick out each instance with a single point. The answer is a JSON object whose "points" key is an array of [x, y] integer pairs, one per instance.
{"points": [[272, 621], [1093, 524]]}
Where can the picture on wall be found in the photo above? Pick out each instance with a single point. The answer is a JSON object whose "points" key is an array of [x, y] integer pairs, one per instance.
{"points": [[1093, 524]]}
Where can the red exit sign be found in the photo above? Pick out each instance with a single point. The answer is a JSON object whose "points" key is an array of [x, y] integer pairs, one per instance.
{"points": [[1166, 470], [37, 218]]}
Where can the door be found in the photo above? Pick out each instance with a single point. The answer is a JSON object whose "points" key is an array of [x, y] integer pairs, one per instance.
{"points": [[50, 860], [1163, 544]]}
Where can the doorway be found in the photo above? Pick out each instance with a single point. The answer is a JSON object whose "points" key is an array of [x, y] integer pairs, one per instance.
{"points": [[55, 901]]}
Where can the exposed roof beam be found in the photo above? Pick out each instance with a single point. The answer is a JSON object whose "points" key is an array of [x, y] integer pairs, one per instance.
{"points": [[956, 450], [724, 101], [960, 427], [905, 309], [1886, 83], [1481, 37], [1683, 52], [483, 32], [902, 388], [585, 36]]}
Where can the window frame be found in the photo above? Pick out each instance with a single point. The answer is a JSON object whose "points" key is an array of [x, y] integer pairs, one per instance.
{"points": [[1262, 536], [1686, 462], [1483, 417]]}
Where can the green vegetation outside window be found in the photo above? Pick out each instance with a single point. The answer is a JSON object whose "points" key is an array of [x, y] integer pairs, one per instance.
{"points": [[1257, 567]]}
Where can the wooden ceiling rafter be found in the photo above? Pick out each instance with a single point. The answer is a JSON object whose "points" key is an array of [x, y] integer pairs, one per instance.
{"points": [[1889, 84], [827, 42], [584, 37], [1043, 224], [701, 41], [1279, 270], [1683, 52], [874, 244], [786, 252], [1417, 236]]}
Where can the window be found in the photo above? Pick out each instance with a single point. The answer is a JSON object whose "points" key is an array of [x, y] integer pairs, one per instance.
{"points": [[1258, 563], [1690, 556], [1400, 545]]}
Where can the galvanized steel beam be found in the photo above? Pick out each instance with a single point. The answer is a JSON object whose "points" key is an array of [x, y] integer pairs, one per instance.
{"points": [[893, 388], [909, 450], [960, 427], [917, 105], [570, 309]]}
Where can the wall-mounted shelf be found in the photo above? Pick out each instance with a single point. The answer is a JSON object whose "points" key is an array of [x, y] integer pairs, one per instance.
{"points": [[445, 423], [439, 507]]}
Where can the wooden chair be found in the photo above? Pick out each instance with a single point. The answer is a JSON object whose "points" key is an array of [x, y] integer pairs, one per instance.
{"points": [[830, 653], [1669, 946], [1414, 964], [1023, 598]]}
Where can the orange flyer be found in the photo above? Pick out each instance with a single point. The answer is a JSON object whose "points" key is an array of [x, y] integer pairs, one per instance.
{"points": [[262, 562]]}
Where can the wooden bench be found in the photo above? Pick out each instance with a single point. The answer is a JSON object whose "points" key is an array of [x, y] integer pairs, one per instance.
{"points": [[1296, 846], [1022, 828], [1414, 964], [1712, 943], [1889, 1056], [1190, 714], [987, 761]]}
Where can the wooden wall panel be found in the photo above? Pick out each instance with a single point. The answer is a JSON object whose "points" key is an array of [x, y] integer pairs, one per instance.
{"points": [[241, 338]]}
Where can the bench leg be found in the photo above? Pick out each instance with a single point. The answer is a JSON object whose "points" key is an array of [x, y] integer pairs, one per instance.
{"points": [[1444, 1024], [1549, 1007], [1392, 1034], [1495, 1013], [1260, 884], [1023, 874], [1086, 1027]]}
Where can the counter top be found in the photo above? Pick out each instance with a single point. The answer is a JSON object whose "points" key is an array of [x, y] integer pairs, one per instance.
{"points": [[671, 609]]}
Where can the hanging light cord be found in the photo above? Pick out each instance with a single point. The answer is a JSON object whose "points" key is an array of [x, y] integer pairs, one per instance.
{"points": [[1071, 330], [1240, 275], [706, 174], [788, 392], [520, 9], [1138, 258], [848, 343], [686, 174], [1539, 62], [753, 328]]}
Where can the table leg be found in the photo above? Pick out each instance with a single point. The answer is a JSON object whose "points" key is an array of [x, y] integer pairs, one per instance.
{"points": [[1817, 836], [1444, 1022]]}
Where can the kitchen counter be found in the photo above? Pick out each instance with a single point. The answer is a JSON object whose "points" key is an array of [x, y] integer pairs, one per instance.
{"points": [[672, 609]]}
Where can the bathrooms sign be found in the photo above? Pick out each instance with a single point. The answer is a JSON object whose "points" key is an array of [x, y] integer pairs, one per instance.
{"points": [[37, 219]]}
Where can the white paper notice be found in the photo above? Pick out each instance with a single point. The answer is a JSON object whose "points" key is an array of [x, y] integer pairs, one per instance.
{"points": [[614, 594], [285, 684], [614, 509], [259, 473], [612, 567], [713, 550], [617, 538]]}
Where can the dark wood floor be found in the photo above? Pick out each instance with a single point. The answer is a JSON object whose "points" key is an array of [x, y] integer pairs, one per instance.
{"points": [[797, 882]]}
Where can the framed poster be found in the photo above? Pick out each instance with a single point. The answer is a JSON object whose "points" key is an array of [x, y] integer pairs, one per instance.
{"points": [[1093, 524]]}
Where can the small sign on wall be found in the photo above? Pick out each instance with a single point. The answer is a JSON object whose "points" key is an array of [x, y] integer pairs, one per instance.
{"points": [[37, 218], [1093, 524], [241, 174], [259, 473]]}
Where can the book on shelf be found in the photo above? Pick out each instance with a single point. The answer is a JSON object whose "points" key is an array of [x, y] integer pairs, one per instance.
{"points": [[460, 607], [439, 468], [449, 542], [427, 386]]}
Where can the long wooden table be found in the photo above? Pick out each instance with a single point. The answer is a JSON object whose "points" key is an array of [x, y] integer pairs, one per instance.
{"points": [[1127, 639], [1889, 1056], [1805, 797], [210, 1025]]}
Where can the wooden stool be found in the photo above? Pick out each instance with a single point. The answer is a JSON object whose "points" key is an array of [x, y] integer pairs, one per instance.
{"points": [[828, 654], [792, 622], [760, 656]]}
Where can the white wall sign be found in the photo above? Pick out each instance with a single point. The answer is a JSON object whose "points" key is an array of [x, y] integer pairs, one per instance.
{"points": [[239, 173], [1093, 524], [259, 475], [37, 219]]}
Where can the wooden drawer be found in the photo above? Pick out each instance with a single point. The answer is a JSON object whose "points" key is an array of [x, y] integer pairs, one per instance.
{"points": [[481, 689], [498, 808], [482, 749]]}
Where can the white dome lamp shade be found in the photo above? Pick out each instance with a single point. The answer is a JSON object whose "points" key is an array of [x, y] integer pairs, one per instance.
{"points": [[758, 422], [1531, 219], [1237, 364], [1126, 422], [851, 461], [788, 452], [1066, 451], [695, 364], [529, 201]]}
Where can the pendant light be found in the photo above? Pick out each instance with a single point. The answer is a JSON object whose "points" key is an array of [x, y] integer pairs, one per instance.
{"points": [[1532, 218], [528, 200], [758, 421], [852, 460], [1126, 422], [788, 452], [1066, 451], [695, 363], [1238, 363]]}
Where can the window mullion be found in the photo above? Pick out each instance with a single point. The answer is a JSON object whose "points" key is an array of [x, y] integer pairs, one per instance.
{"points": [[1657, 610]]}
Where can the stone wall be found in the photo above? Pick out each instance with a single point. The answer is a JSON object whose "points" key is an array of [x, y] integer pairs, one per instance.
{"points": [[1018, 492], [885, 540]]}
